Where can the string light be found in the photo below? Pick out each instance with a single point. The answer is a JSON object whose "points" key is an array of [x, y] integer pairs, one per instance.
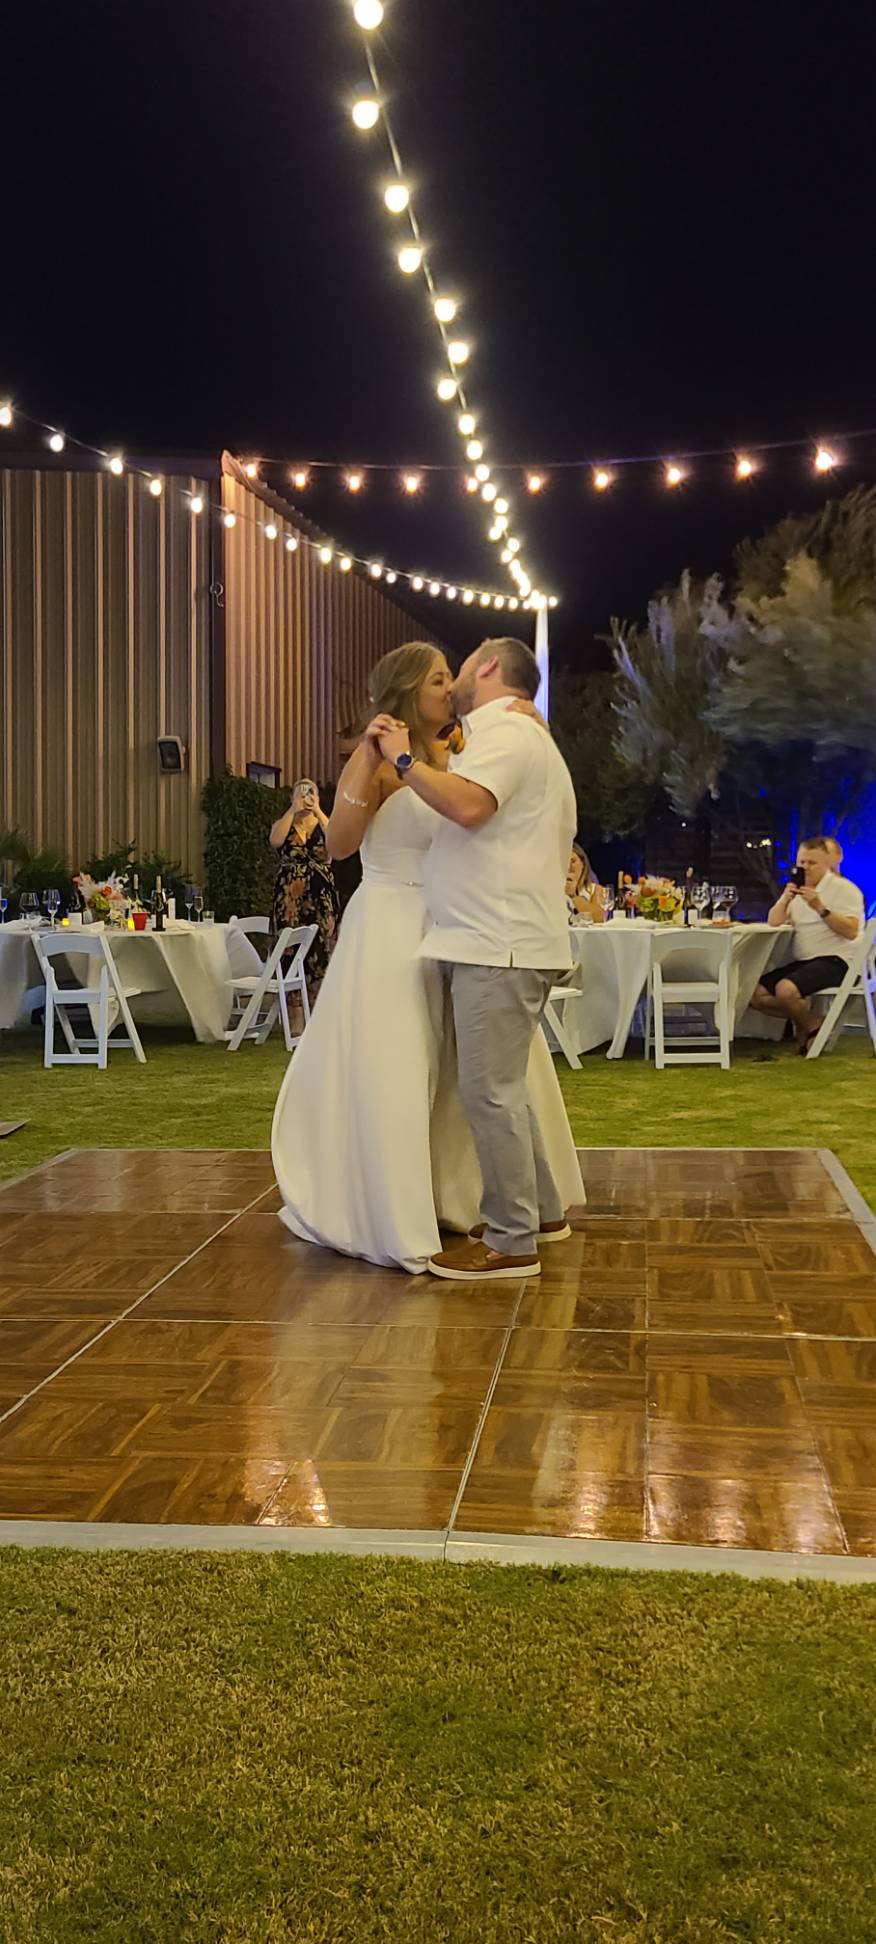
{"points": [[417, 583], [467, 596], [291, 543], [445, 309], [824, 460], [229, 520], [471, 484], [482, 472], [117, 465], [451, 593], [410, 258], [345, 563], [446, 389], [467, 423], [391, 578], [326, 556], [506, 555], [673, 476], [368, 14], [514, 603], [366, 112], [412, 482], [514, 546], [375, 570], [499, 601], [494, 533], [485, 600], [474, 449], [434, 588], [251, 470], [396, 197], [196, 504], [553, 601], [744, 466], [458, 351], [534, 482], [488, 492], [300, 479], [501, 506], [601, 479], [354, 482], [270, 531], [5, 415], [156, 488], [57, 442]]}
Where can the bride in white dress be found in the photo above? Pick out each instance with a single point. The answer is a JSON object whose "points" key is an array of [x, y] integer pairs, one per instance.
{"points": [[370, 1146]]}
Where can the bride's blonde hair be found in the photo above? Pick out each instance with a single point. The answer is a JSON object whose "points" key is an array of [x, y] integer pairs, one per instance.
{"points": [[394, 687]]}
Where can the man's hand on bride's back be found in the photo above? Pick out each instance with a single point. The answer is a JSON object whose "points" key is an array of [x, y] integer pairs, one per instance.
{"points": [[522, 707]]}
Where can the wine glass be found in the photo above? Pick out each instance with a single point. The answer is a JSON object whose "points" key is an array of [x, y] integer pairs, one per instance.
{"points": [[4, 903], [700, 897], [721, 906], [606, 899], [732, 899], [190, 895], [52, 904], [29, 905], [199, 903]]}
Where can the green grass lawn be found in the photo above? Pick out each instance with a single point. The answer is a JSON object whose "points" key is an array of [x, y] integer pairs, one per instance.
{"points": [[256, 1748], [201, 1096]]}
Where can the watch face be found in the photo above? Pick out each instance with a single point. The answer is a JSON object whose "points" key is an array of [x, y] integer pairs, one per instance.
{"points": [[404, 761]]}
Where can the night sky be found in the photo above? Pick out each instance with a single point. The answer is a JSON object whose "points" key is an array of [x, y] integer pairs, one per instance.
{"points": [[659, 218]]}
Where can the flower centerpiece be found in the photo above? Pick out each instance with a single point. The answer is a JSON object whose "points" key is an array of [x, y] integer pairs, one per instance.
{"points": [[659, 899], [107, 899]]}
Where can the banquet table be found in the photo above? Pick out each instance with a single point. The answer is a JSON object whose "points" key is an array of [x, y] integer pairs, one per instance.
{"points": [[181, 974], [612, 964]]}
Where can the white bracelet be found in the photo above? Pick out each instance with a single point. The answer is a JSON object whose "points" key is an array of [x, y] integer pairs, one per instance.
{"points": [[358, 803]]}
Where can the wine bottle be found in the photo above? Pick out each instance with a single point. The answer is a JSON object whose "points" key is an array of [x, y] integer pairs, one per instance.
{"points": [[158, 905], [688, 893], [135, 891]]}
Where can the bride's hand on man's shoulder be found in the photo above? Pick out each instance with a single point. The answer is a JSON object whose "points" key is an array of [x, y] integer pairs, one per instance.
{"points": [[522, 707]]}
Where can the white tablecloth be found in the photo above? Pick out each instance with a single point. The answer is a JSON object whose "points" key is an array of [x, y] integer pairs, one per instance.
{"points": [[614, 960], [181, 973]]}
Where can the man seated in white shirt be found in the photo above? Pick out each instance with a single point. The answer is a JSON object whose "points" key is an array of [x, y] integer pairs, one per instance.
{"points": [[827, 913]]}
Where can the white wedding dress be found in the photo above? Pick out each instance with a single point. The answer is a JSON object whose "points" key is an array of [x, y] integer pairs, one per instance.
{"points": [[370, 1146]]}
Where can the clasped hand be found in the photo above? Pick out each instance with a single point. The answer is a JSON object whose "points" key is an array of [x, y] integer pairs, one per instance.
{"points": [[388, 737]]}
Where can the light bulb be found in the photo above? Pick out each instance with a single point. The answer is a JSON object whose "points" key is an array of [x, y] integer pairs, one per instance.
{"points": [[501, 523], [375, 570], [446, 389], [744, 466], [501, 506], [196, 504], [482, 472], [534, 482], [391, 578], [412, 482], [300, 478], [229, 520], [354, 482], [57, 442], [474, 449], [5, 415], [553, 601], [270, 531], [117, 464], [471, 484], [326, 556], [417, 583], [514, 546], [451, 593], [467, 423], [396, 197], [291, 543], [251, 469], [410, 258], [366, 112], [514, 603], [467, 597], [434, 588], [488, 492], [445, 309], [673, 476], [485, 600], [458, 351], [506, 555], [601, 479], [499, 601], [156, 487], [824, 459], [493, 533], [345, 563], [368, 14]]}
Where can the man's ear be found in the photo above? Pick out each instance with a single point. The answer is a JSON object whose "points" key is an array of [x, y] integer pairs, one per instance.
{"points": [[488, 667]]}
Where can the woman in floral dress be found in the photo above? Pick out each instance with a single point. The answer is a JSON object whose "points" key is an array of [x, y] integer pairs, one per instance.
{"points": [[305, 891]]}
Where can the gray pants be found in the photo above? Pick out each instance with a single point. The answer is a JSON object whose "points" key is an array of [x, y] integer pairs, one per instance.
{"points": [[496, 1011]]}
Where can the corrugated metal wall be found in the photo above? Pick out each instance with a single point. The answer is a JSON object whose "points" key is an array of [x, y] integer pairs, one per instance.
{"points": [[104, 646], [300, 639]]}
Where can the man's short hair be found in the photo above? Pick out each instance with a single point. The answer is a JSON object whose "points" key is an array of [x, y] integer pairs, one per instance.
{"points": [[833, 849], [813, 843], [519, 667]]}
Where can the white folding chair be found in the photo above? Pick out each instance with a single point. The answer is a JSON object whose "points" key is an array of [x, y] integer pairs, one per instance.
{"points": [[254, 927], [85, 1050], [251, 928], [269, 994], [859, 983], [689, 968], [553, 1018]]}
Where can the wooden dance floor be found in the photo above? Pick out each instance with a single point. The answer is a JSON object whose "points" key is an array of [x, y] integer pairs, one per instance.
{"points": [[697, 1367]]}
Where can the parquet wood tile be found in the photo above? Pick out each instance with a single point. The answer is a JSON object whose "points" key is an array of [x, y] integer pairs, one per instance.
{"points": [[697, 1365]]}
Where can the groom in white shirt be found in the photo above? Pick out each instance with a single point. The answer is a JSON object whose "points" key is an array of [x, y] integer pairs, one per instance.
{"points": [[495, 888]]}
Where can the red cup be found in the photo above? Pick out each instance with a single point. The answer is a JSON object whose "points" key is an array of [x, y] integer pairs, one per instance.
{"points": [[141, 920]]}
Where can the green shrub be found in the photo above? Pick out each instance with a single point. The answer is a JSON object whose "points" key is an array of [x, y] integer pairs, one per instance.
{"points": [[240, 864], [33, 870]]}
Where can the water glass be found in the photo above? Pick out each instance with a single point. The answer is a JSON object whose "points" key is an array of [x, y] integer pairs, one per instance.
{"points": [[606, 898], [4, 903]]}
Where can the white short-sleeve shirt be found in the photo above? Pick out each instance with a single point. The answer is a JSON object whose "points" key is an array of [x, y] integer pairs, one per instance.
{"points": [[813, 938], [497, 895]]}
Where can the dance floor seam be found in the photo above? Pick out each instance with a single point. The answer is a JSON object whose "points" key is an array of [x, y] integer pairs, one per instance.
{"points": [[691, 1380]]}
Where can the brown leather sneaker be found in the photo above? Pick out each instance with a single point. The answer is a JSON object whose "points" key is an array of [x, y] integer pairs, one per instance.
{"points": [[548, 1231], [474, 1262]]}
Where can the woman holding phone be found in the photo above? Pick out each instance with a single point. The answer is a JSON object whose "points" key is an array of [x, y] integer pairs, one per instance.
{"points": [[305, 892]]}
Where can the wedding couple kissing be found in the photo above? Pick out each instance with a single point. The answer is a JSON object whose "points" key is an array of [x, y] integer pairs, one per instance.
{"points": [[423, 1096]]}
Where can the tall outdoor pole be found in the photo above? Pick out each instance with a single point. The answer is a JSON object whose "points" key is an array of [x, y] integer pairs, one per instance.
{"points": [[542, 656]]}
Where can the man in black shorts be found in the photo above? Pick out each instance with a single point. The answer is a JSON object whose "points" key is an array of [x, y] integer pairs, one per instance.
{"points": [[827, 913]]}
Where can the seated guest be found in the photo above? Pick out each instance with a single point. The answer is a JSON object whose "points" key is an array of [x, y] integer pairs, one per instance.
{"points": [[827, 913], [582, 889]]}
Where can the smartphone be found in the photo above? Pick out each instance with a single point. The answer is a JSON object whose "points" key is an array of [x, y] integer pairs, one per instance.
{"points": [[798, 876]]}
